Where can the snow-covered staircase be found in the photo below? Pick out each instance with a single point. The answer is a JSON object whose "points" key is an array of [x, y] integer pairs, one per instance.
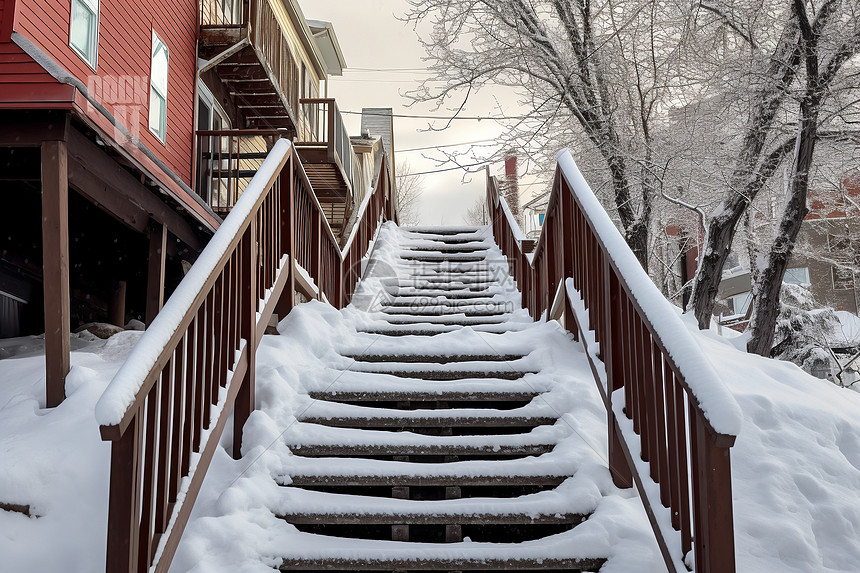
{"points": [[446, 431]]}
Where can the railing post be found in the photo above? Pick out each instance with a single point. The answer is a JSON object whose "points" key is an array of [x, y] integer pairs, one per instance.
{"points": [[155, 273], [550, 277], [615, 369], [332, 129], [316, 251], [247, 292], [714, 536], [566, 226], [288, 234], [124, 504]]}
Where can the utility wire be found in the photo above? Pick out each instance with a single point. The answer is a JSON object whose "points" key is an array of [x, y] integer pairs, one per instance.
{"points": [[440, 117], [444, 145]]}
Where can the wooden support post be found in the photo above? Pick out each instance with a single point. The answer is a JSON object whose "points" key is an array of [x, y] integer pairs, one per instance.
{"points": [[316, 252], [155, 272], [124, 508], [247, 291], [116, 311], [55, 264], [622, 475], [288, 236], [566, 225], [714, 536]]}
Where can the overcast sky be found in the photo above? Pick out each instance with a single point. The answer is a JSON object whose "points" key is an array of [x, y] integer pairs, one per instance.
{"points": [[384, 59]]}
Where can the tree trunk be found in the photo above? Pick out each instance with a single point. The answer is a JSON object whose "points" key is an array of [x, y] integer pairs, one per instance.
{"points": [[766, 300], [750, 174]]}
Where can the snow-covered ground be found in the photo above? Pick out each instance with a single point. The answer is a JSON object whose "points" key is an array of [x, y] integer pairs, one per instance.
{"points": [[796, 463]]}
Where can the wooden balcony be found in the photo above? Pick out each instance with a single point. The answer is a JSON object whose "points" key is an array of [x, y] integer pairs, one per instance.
{"points": [[227, 160], [248, 50], [329, 160]]}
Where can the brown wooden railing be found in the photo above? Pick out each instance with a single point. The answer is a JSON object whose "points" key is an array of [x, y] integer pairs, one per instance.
{"points": [[671, 420], [321, 125], [166, 408]]}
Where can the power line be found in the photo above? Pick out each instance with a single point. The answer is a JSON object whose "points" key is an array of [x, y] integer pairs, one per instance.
{"points": [[444, 145], [449, 169], [387, 70], [440, 117]]}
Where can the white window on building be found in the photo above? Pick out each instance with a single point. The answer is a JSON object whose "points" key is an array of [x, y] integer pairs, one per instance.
{"points": [[798, 276], [741, 302], [84, 30], [158, 89]]}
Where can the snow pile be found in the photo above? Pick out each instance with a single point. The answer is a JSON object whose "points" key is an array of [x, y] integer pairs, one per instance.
{"points": [[795, 464], [55, 461]]}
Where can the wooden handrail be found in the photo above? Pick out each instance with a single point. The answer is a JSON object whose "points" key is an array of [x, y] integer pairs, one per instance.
{"points": [[655, 382], [167, 406]]}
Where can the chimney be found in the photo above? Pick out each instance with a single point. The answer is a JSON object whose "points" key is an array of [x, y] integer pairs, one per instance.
{"points": [[512, 187], [380, 122]]}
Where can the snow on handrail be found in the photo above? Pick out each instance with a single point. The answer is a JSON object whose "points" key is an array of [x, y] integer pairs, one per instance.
{"points": [[122, 391], [717, 402]]}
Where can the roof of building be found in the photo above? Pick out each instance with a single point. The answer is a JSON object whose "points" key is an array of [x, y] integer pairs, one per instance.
{"points": [[326, 41]]}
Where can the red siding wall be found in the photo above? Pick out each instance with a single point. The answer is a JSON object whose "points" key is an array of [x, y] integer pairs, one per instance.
{"points": [[22, 79], [121, 82]]}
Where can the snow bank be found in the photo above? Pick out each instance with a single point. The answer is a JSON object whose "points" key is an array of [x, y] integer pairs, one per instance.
{"points": [[718, 405], [55, 461], [795, 465]]}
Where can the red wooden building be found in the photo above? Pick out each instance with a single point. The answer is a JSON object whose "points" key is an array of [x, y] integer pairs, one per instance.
{"points": [[128, 129]]}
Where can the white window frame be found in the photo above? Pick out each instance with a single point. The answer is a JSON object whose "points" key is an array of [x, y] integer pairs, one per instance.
{"points": [[741, 302], [94, 6], [804, 276], [154, 89]]}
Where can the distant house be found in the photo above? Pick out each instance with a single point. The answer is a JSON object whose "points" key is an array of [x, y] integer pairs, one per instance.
{"points": [[534, 213], [826, 258], [128, 130]]}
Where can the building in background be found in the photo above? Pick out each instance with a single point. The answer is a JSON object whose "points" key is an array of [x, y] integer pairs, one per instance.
{"points": [[128, 130]]}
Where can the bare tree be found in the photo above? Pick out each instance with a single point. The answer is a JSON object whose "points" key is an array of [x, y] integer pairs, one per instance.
{"points": [[477, 213], [595, 72], [410, 187]]}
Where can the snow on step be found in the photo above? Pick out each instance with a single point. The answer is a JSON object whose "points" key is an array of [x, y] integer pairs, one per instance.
{"points": [[431, 425]]}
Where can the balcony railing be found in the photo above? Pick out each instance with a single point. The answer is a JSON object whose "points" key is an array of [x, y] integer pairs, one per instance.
{"points": [[230, 30], [228, 160], [321, 126]]}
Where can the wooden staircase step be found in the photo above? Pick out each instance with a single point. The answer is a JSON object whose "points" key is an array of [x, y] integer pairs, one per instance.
{"points": [[403, 319], [442, 231], [404, 421], [420, 450], [407, 480], [338, 563], [443, 258], [465, 248], [505, 374], [451, 294], [422, 518], [423, 396], [434, 359]]}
